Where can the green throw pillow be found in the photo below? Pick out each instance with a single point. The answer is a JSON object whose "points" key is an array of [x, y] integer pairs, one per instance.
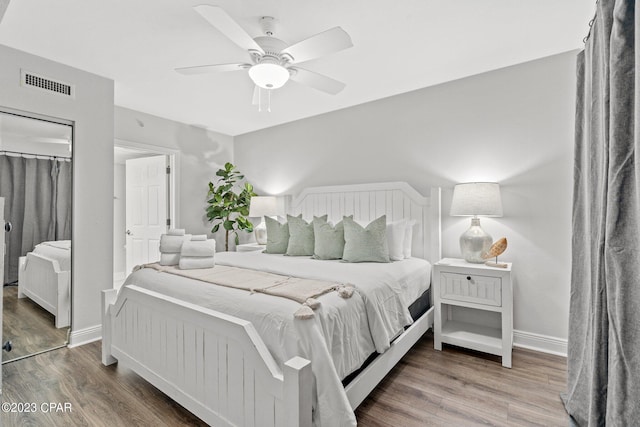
{"points": [[301, 240], [277, 236], [367, 244], [329, 239]]}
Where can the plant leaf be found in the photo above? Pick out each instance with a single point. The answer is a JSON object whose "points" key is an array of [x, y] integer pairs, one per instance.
{"points": [[226, 207]]}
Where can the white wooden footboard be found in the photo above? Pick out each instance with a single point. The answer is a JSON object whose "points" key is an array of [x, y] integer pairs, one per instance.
{"points": [[213, 364], [41, 280]]}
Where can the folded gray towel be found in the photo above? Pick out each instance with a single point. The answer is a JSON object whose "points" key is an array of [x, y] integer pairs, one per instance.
{"points": [[172, 244], [198, 237], [200, 248], [190, 263], [176, 232]]}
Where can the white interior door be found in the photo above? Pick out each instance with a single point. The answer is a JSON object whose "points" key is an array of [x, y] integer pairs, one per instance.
{"points": [[146, 210]]}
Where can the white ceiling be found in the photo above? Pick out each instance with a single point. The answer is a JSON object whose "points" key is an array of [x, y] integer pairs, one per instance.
{"points": [[399, 46], [26, 135]]}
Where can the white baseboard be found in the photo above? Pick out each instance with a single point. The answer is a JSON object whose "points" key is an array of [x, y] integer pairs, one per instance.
{"points": [[538, 342], [85, 336]]}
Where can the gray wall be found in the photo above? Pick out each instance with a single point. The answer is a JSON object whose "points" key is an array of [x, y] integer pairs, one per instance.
{"points": [[202, 153], [513, 126], [92, 113]]}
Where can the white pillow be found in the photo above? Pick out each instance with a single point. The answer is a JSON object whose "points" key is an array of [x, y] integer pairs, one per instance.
{"points": [[408, 238], [396, 232]]}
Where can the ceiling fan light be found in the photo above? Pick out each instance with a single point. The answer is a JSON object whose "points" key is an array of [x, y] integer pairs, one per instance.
{"points": [[269, 76]]}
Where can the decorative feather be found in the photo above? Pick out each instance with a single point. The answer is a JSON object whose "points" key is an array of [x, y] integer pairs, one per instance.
{"points": [[496, 249]]}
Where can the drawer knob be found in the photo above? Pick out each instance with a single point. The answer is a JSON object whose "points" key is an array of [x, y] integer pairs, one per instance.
{"points": [[468, 277]]}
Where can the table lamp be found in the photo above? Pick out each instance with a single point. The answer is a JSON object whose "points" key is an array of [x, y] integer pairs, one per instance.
{"points": [[476, 199], [262, 206]]}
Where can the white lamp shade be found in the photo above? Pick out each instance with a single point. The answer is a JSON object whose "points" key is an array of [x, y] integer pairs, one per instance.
{"points": [[269, 76], [263, 206], [476, 198]]}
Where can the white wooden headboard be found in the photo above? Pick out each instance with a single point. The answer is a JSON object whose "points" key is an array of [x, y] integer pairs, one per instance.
{"points": [[367, 202]]}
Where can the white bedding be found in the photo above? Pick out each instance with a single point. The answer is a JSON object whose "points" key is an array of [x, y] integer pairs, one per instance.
{"points": [[343, 333], [59, 250]]}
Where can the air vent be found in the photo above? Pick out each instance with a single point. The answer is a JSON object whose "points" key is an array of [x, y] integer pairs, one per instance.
{"points": [[35, 81]]}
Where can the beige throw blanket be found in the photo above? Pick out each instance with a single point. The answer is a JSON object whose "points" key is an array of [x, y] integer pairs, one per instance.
{"points": [[304, 291]]}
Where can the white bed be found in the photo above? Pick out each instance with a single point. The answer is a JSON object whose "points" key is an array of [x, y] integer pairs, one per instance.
{"points": [[44, 276], [250, 365]]}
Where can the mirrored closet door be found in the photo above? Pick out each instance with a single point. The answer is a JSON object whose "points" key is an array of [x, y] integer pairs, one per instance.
{"points": [[36, 183]]}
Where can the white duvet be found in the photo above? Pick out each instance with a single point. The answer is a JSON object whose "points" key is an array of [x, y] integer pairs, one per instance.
{"points": [[343, 333], [59, 250]]}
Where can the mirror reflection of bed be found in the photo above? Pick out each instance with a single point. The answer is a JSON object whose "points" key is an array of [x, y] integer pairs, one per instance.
{"points": [[35, 180]]}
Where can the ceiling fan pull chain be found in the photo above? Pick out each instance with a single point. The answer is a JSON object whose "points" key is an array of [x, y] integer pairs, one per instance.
{"points": [[267, 101]]}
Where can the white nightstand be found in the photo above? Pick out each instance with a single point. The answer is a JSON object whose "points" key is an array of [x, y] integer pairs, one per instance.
{"points": [[462, 284], [249, 247]]}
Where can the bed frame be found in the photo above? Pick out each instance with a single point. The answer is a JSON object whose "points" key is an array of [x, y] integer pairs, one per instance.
{"points": [[41, 280], [217, 366]]}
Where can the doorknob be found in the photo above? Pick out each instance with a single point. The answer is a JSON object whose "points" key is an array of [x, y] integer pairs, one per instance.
{"points": [[7, 346], [8, 226], [129, 233]]}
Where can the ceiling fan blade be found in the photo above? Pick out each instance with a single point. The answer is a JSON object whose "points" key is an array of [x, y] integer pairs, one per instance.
{"points": [[317, 81], [324, 43], [3, 8], [217, 68], [217, 17]]}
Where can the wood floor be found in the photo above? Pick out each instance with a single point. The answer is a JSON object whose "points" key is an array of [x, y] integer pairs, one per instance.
{"points": [[30, 327], [449, 388], [458, 387]]}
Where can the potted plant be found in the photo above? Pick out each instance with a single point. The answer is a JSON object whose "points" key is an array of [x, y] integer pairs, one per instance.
{"points": [[226, 207]]}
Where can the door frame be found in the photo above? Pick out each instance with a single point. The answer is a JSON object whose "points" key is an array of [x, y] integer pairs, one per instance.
{"points": [[1, 275], [174, 178]]}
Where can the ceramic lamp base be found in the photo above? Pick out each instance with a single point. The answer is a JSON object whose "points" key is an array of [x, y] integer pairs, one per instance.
{"points": [[260, 232], [474, 242]]}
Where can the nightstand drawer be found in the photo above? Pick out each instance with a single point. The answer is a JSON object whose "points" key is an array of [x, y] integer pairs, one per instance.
{"points": [[471, 288]]}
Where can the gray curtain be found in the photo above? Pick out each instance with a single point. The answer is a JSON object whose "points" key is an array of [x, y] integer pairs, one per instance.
{"points": [[604, 323], [37, 196], [62, 191]]}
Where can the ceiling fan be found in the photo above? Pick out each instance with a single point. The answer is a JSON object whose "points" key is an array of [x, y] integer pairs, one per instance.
{"points": [[274, 62]]}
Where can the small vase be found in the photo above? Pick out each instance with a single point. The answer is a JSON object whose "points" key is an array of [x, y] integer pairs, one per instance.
{"points": [[474, 242]]}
